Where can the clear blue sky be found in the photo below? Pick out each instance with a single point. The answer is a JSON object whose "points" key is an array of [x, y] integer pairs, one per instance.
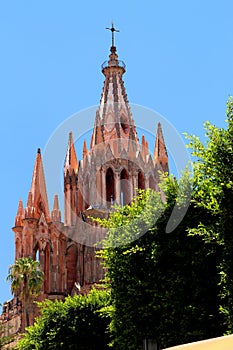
{"points": [[179, 57]]}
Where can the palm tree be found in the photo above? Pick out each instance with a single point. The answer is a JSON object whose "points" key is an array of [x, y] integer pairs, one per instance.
{"points": [[26, 280]]}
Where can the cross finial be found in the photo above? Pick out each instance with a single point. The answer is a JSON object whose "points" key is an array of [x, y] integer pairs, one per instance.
{"points": [[113, 30]]}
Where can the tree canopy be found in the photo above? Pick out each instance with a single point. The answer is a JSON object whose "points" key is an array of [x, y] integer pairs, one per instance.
{"points": [[26, 280], [175, 286], [160, 281], [75, 323], [213, 194]]}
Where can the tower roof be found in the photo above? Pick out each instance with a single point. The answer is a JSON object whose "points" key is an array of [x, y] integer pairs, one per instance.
{"points": [[20, 214], [38, 191], [114, 119], [160, 151], [56, 213], [71, 161]]}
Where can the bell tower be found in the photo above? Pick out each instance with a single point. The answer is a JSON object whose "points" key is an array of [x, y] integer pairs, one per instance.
{"points": [[117, 164], [110, 172]]}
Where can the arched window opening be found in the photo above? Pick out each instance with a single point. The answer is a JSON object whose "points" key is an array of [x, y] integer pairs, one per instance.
{"points": [[151, 182], [125, 189], [86, 195], [17, 249], [71, 267], [41, 207], [141, 181], [110, 187], [47, 268], [124, 124], [37, 255]]}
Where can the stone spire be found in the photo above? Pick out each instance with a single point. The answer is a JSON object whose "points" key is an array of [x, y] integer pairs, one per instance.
{"points": [[20, 214], [56, 213], [85, 150], [71, 161], [114, 118], [143, 147], [160, 151], [37, 198]]}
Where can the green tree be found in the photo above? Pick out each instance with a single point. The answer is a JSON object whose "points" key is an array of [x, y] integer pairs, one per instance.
{"points": [[159, 281], [213, 179], [26, 280], [76, 323]]}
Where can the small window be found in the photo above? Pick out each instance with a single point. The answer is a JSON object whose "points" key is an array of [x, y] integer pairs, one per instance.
{"points": [[124, 124]]}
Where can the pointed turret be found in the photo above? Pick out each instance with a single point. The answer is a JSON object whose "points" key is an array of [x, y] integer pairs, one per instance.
{"points": [[38, 197], [29, 201], [160, 151], [20, 214], [29, 210], [71, 170], [114, 119], [56, 213], [71, 161], [147, 148], [143, 147], [97, 135], [85, 150]]}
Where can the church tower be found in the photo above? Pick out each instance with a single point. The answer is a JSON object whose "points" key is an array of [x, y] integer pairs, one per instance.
{"points": [[110, 172], [116, 164]]}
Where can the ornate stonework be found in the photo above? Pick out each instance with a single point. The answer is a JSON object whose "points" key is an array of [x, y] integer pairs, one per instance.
{"points": [[109, 173]]}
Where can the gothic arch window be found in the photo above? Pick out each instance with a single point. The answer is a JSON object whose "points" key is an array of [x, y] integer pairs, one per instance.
{"points": [[61, 264], [124, 124], [86, 195], [18, 248], [37, 253], [71, 264], [41, 206], [110, 187], [47, 268], [151, 182], [125, 190], [141, 181]]}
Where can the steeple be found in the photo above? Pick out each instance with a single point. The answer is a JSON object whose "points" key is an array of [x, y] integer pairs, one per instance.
{"points": [[38, 195], [71, 162], [160, 151], [56, 213], [85, 150], [20, 214], [113, 118]]}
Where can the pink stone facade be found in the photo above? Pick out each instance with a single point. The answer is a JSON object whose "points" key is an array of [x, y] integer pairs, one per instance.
{"points": [[111, 171]]}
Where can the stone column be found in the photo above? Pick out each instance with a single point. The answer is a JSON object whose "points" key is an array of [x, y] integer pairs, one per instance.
{"points": [[68, 205], [146, 179], [42, 264], [103, 192], [118, 187], [135, 182], [73, 201], [98, 200]]}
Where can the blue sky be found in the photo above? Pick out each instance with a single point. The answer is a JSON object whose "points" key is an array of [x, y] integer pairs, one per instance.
{"points": [[179, 58]]}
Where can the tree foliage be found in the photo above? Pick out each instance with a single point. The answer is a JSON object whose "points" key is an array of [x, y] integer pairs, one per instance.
{"points": [[213, 176], [26, 280], [76, 323], [173, 286], [157, 289]]}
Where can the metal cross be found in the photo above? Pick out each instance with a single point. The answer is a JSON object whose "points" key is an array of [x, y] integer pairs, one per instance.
{"points": [[113, 30]]}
